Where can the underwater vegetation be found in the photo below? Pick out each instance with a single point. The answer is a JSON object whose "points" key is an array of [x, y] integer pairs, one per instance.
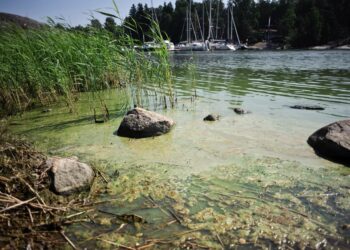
{"points": [[256, 203]]}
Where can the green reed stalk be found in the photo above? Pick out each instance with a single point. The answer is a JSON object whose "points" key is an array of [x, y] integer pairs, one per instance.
{"points": [[41, 66]]}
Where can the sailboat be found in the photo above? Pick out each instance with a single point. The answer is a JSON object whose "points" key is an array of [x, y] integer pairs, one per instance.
{"points": [[217, 44], [221, 45], [239, 45], [224, 44], [190, 45], [152, 45]]}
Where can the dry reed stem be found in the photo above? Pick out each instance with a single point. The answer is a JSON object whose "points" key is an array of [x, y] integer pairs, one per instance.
{"points": [[18, 205], [31, 189], [116, 244], [68, 240]]}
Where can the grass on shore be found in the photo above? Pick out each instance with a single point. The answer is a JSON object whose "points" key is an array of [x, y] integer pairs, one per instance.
{"points": [[41, 66]]}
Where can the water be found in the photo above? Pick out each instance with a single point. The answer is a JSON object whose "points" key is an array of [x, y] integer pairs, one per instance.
{"points": [[250, 178]]}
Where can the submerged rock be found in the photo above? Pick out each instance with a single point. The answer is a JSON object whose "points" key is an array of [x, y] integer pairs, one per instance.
{"points": [[46, 111], [141, 123], [68, 175], [307, 107], [332, 141], [211, 117], [241, 111]]}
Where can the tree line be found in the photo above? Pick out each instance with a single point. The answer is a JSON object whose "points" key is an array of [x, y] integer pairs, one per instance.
{"points": [[295, 23]]}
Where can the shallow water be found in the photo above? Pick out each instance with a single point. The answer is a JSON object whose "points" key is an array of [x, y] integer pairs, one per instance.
{"points": [[241, 182]]}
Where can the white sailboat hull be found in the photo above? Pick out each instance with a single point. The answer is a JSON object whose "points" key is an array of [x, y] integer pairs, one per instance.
{"points": [[222, 46], [194, 46]]}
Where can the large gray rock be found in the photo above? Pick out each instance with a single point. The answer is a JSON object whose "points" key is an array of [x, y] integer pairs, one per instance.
{"points": [[332, 141], [140, 123], [69, 175]]}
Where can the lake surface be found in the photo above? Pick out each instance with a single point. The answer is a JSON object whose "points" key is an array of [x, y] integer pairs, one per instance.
{"points": [[245, 181]]}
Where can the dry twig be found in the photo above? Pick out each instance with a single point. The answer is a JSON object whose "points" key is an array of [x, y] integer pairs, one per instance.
{"points": [[18, 205], [68, 240]]}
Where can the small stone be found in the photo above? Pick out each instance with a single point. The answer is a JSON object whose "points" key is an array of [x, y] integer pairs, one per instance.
{"points": [[321, 245], [68, 175], [46, 110], [307, 107], [241, 111], [242, 241], [211, 117]]}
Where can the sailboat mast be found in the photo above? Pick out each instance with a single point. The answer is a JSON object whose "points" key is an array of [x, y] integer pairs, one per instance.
{"points": [[234, 25], [154, 14], [231, 30], [228, 23], [210, 26], [203, 20], [190, 21], [268, 30], [199, 25], [217, 19], [187, 25]]}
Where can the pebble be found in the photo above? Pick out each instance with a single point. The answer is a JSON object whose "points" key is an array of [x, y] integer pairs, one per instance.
{"points": [[242, 241]]}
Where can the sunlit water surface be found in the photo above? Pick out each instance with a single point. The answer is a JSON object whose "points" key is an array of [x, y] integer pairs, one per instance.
{"points": [[243, 181]]}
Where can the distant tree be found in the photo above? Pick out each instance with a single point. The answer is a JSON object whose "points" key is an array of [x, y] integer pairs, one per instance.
{"points": [[301, 23], [179, 18], [308, 24], [60, 26], [95, 23], [287, 20], [133, 11], [79, 28], [110, 25], [147, 10], [139, 10], [246, 17], [165, 17]]}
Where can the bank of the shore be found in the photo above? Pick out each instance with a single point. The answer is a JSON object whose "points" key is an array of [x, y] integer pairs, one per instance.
{"points": [[32, 215]]}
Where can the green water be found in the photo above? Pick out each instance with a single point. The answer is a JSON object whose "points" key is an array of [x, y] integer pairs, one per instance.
{"points": [[242, 182]]}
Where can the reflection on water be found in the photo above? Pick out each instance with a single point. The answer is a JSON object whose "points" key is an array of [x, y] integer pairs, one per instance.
{"points": [[309, 75], [242, 181]]}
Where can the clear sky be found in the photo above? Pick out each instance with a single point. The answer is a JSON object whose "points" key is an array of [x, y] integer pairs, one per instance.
{"points": [[74, 11]]}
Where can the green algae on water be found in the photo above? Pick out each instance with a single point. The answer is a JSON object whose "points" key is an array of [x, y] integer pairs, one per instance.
{"points": [[260, 202]]}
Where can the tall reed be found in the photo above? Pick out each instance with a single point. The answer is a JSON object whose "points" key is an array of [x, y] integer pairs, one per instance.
{"points": [[40, 66]]}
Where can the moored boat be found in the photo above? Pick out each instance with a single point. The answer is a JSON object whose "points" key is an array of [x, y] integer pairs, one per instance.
{"points": [[192, 46], [221, 45]]}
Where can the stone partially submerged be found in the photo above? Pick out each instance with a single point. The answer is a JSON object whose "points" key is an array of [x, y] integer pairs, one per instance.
{"points": [[68, 175], [307, 107], [241, 111], [332, 141], [141, 123], [211, 117]]}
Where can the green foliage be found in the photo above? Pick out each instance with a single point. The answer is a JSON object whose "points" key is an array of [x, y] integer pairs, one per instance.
{"points": [[95, 23], [39, 66], [286, 26], [110, 25], [301, 23]]}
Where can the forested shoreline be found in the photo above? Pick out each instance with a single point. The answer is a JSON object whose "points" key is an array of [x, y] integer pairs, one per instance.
{"points": [[288, 23], [299, 23]]}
